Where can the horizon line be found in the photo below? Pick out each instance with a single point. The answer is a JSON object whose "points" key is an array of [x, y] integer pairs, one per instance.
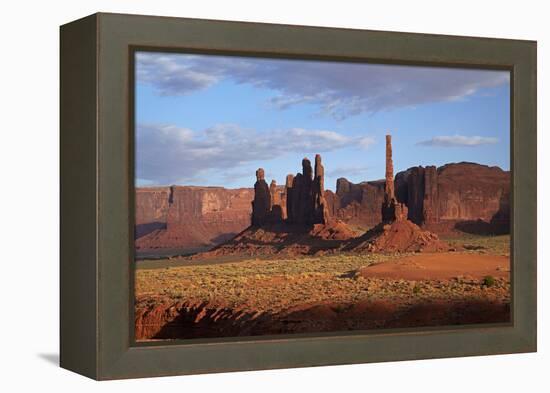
{"points": [[328, 188]]}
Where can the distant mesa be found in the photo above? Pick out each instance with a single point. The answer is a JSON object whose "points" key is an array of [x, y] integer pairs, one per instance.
{"points": [[189, 219], [466, 197]]}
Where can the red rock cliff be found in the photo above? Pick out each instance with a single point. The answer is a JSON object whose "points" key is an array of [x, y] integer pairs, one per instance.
{"points": [[357, 204], [189, 217], [151, 209], [465, 196]]}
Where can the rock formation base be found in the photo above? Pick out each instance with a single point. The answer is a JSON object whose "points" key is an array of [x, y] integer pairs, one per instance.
{"points": [[285, 239], [399, 236], [294, 240]]}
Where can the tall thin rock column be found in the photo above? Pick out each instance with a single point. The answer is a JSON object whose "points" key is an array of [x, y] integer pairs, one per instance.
{"points": [[275, 199], [389, 189], [277, 213], [303, 201], [391, 209], [306, 196], [320, 209], [261, 205], [289, 197]]}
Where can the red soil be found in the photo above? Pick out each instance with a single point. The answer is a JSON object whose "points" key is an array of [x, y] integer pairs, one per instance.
{"points": [[439, 302], [335, 236], [400, 236], [285, 240], [333, 230], [441, 266]]}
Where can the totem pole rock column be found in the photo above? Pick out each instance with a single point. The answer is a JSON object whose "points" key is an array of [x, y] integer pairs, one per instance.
{"points": [[277, 212], [391, 209], [261, 205], [389, 188], [289, 192], [306, 195], [320, 209]]}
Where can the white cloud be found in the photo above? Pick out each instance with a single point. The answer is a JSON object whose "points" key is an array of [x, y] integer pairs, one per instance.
{"points": [[168, 155], [366, 142], [338, 89], [230, 175], [171, 77], [459, 141], [348, 171]]}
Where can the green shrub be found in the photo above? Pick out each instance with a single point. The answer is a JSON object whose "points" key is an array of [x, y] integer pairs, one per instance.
{"points": [[489, 281]]}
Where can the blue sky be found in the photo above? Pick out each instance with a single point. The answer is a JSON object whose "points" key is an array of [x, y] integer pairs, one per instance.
{"points": [[213, 120]]}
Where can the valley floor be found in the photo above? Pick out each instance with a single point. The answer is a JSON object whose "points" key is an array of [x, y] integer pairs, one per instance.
{"points": [[249, 297]]}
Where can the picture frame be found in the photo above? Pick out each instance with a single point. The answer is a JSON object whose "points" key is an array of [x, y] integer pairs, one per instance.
{"points": [[97, 196]]}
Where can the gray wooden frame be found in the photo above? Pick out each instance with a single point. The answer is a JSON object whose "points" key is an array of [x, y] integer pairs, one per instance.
{"points": [[97, 196]]}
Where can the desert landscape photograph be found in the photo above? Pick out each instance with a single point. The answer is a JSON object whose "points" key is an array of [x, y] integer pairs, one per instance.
{"points": [[285, 196]]}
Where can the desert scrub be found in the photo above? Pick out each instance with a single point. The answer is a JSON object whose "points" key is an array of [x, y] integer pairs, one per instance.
{"points": [[276, 285], [488, 281], [495, 245], [272, 284]]}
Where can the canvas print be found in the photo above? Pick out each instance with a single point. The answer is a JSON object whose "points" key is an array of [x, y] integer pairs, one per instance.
{"points": [[287, 196]]}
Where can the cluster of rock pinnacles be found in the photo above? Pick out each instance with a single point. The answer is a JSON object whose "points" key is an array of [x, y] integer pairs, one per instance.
{"points": [[302, 201]]}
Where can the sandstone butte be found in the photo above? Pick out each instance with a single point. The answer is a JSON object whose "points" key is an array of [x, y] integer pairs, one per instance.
{"points": [[424, 201]]}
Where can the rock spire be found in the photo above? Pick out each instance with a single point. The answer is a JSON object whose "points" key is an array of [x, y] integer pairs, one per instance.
{"points": [[392, 210], [302, 201], [261, 205], [319, 203], [389, 189]]}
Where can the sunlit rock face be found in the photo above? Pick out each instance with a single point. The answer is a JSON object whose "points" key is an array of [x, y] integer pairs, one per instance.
{"points": [[463, 196], [188, 217]]}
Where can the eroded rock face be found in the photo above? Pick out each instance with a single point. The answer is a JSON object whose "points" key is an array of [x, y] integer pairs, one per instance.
{"points": [[471, 191], [278, 203], [430, 205], [261, 205], [357, 204], [392, 209], [166, 318], [187, 217], [151, 209], [289, 196], [464, 196], [305, 208], [389, 186], [320, 209], [305, 195]]}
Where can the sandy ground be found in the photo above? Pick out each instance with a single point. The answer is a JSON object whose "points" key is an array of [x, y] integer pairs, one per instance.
{"points": [[322, 294], [441, 266]]}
